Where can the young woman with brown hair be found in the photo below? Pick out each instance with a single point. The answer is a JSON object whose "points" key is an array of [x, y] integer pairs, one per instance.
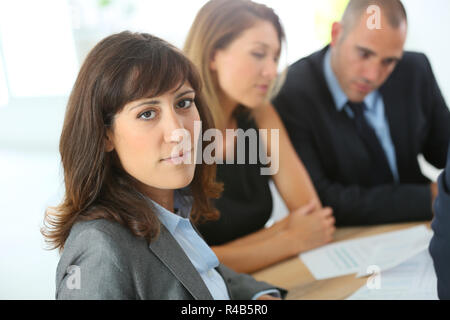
{"points": [[124, 226]]}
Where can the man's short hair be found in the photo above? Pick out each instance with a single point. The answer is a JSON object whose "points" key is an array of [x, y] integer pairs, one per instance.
{"points": [[393, 10]]}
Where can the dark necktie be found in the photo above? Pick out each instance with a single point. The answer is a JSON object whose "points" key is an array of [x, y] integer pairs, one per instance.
{"points": [[382, 173]]}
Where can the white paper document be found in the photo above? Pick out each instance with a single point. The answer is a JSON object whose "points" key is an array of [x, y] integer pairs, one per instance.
{"points": [[414, 279], [390, 254], [355, 256]]}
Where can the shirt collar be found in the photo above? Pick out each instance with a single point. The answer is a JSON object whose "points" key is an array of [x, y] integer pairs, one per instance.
{"points": [[339, 97], [182, 207]]}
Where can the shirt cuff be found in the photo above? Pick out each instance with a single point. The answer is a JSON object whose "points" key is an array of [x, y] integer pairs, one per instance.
{"points": [[273, 292]]}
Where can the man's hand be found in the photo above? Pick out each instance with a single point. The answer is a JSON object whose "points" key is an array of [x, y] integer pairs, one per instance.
{"points": [[434, 191], [434, 194]]}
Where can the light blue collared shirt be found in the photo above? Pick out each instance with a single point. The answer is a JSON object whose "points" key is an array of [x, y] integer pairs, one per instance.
{"points": [[374, 113], [199, 253]]}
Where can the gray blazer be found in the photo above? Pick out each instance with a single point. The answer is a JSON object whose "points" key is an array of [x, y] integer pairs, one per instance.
{"points": [[104, 260]]}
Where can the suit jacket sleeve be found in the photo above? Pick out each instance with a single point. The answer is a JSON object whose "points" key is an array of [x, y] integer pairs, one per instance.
{"points": [[354, 204], [98, 273], [435, 149], [440, 243], [243, 286]]}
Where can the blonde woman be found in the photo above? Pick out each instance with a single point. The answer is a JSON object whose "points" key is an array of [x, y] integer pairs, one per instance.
{"points": [[236, 45]]}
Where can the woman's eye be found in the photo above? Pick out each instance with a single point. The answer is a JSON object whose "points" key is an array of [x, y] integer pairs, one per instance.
{"points": [[184, 104], [147, 115], [258, 55]]}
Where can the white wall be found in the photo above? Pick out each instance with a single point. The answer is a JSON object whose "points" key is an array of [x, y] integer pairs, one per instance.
{"points": [[30, 173], [429, 31]]}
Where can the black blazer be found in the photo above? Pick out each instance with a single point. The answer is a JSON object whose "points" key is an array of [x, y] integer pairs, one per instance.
{"points": [[336, 157], [440, 243]]}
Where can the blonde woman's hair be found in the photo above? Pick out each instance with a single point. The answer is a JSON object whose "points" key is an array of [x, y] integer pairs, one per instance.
{"points": [[216, 25]]}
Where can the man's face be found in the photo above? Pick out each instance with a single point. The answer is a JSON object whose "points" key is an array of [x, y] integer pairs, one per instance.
{"points": [[363, 58]]}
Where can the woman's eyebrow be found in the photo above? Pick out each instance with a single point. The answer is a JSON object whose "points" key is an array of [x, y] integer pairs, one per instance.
{"points": [[146, 103], [184, 93], [261, 44], [156, 102], [266, 46]]}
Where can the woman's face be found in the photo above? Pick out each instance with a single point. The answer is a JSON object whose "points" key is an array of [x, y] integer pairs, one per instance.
{"points": [[247, 66], [143, 137]]}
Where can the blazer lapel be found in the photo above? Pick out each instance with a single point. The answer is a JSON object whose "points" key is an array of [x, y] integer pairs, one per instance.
{"points": [[167, 249]]}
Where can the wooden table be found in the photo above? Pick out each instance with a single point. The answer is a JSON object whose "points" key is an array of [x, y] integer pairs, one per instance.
{"points": [[294, 276]]}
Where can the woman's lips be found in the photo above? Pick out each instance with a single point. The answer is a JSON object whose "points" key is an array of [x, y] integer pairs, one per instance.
{"points": [[181, 158], [263, 88]]}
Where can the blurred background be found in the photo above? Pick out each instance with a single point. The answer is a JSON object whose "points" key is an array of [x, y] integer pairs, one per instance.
{"points": [[42, 45]]}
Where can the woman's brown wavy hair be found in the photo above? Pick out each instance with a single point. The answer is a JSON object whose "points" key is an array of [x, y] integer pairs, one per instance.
{"points": [[121, 68]]}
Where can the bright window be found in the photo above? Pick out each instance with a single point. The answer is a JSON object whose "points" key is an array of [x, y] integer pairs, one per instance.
{"points": [[3, 85], [38, 48]]}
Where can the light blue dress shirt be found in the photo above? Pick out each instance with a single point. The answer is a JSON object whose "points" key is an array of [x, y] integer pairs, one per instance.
{"points": [[199, 253], [374, 113]]}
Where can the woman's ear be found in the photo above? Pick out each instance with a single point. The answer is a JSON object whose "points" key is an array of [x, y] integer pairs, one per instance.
{"points": [[212, 62], [109, 145], [212, 65]]}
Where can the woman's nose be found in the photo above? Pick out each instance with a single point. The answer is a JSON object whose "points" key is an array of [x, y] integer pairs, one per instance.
{"points": [[173, 127], [270, 70]]}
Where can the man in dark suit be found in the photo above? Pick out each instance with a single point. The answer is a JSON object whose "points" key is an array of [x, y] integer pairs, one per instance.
{"points": [[440, 243], [360, 111]]}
